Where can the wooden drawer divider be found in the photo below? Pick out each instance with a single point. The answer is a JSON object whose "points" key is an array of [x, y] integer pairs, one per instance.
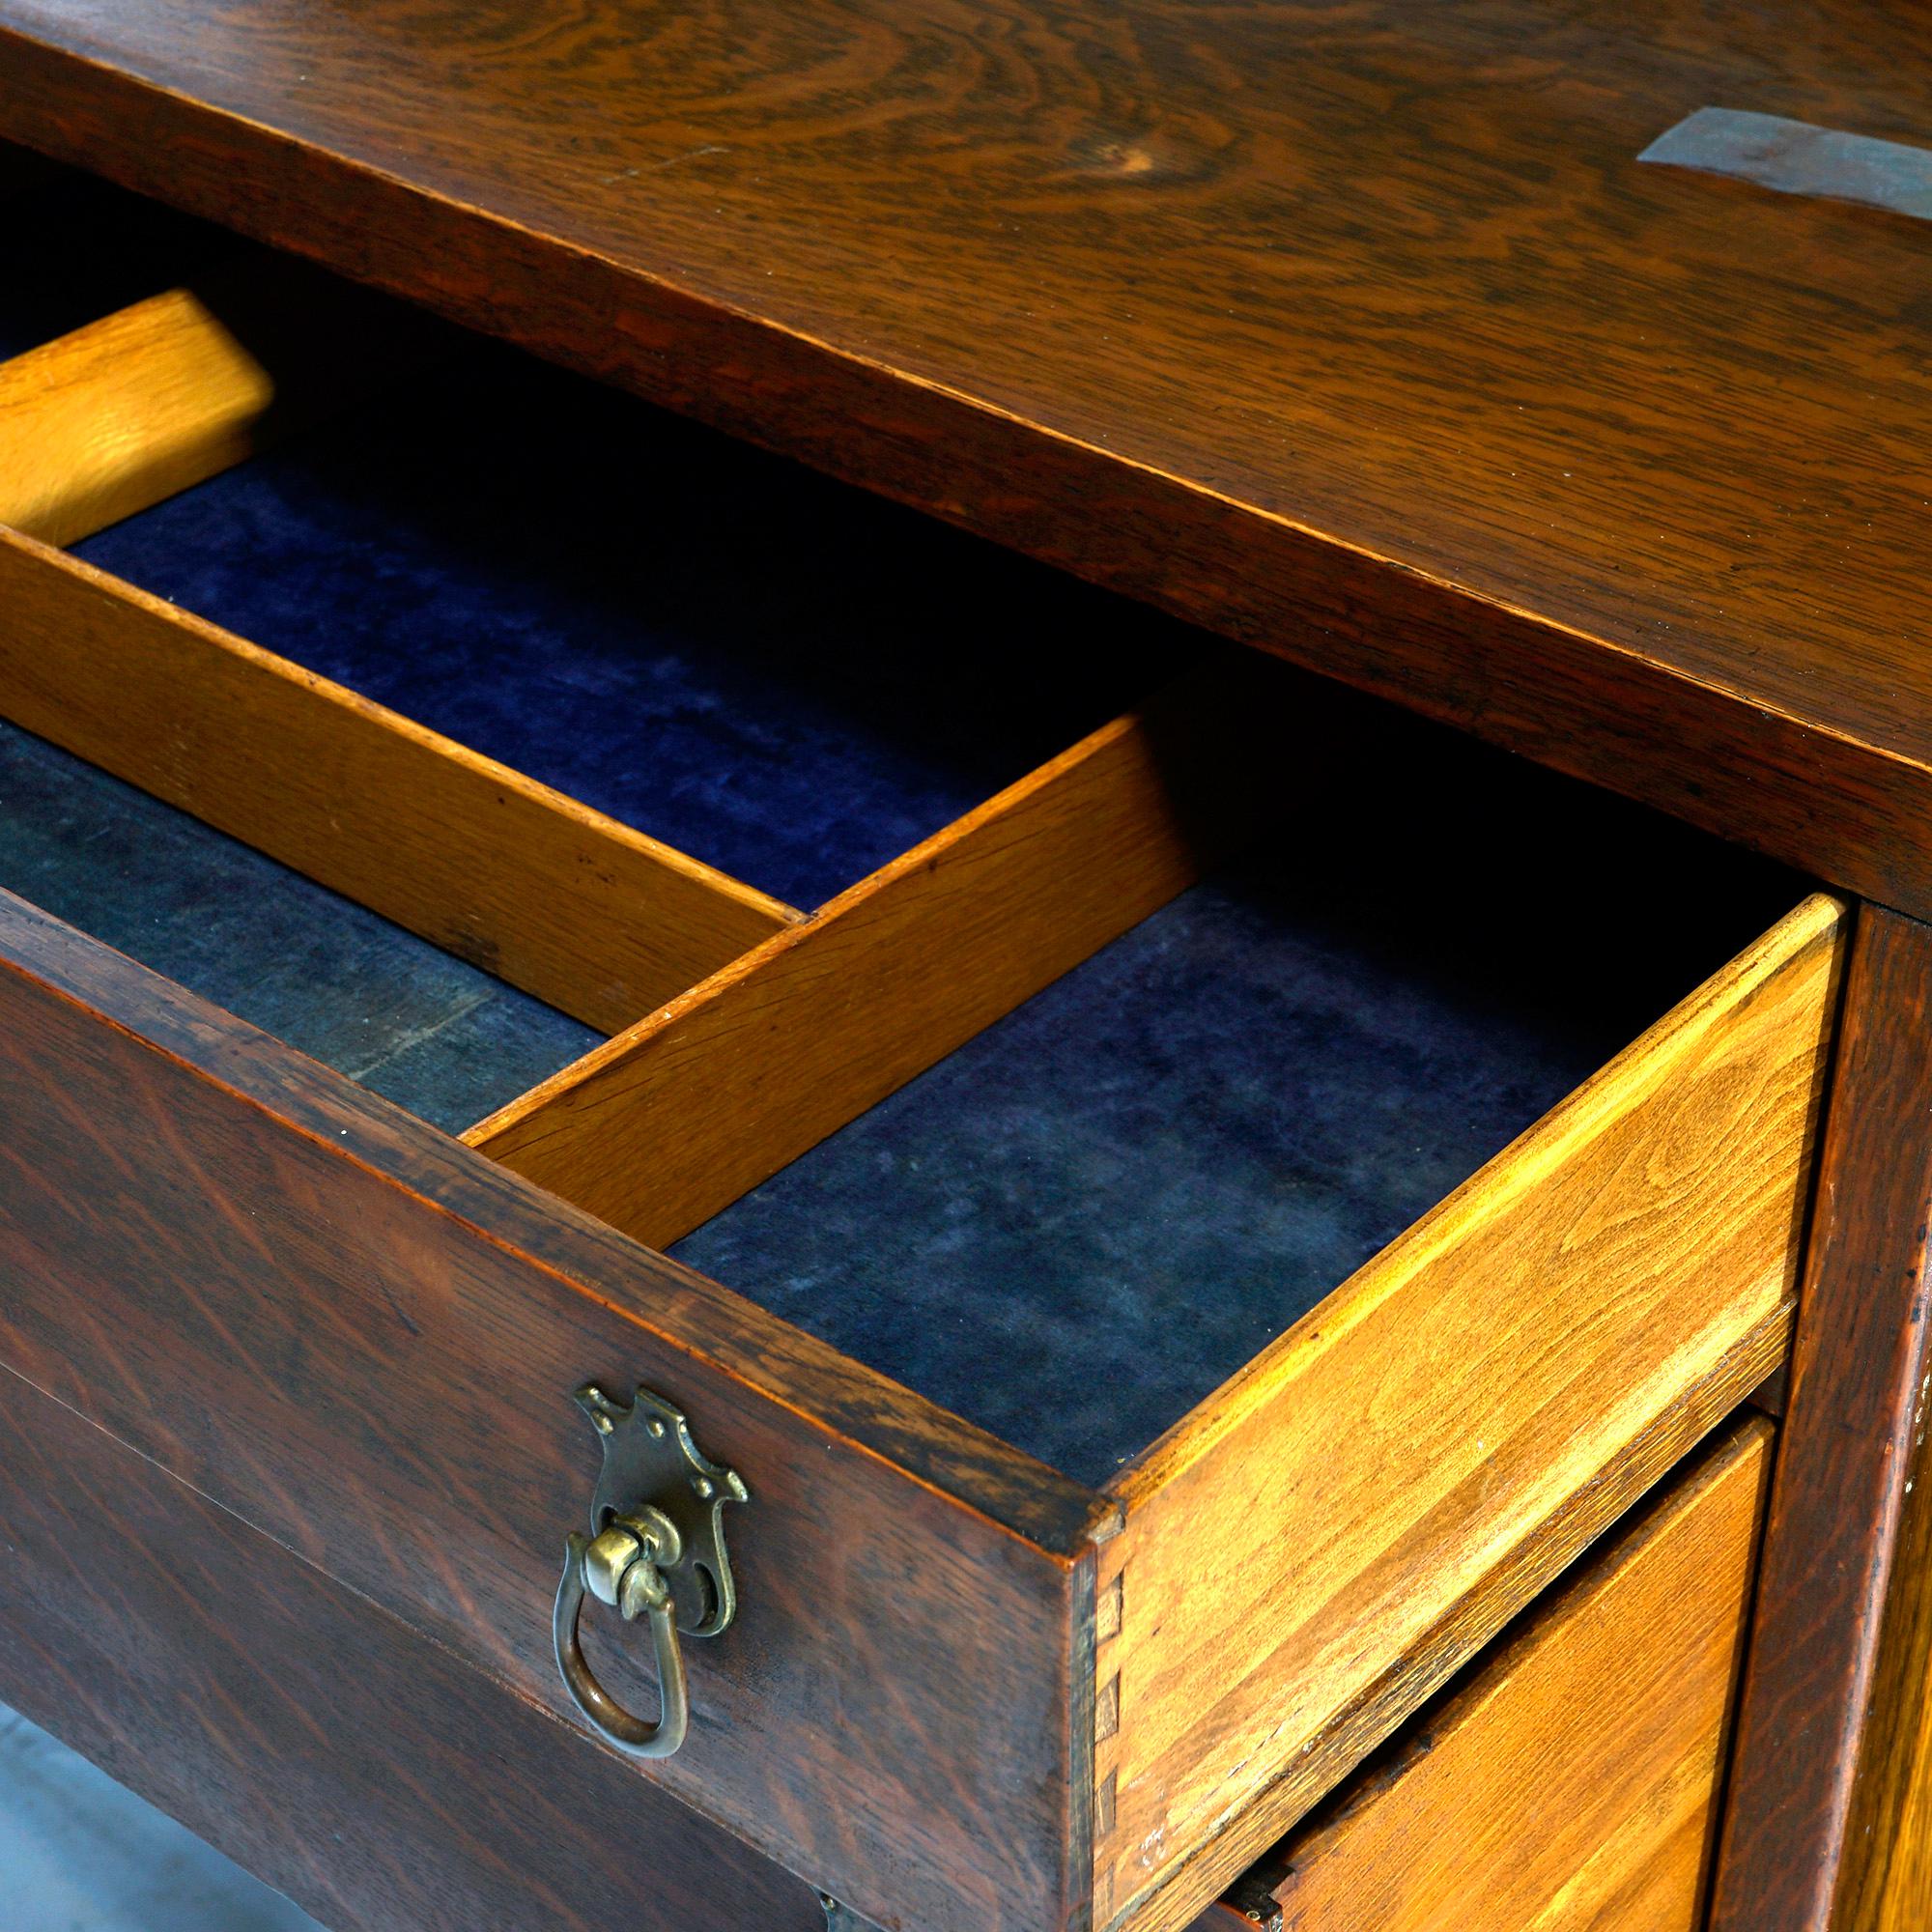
{"points": [[679, 1115]]}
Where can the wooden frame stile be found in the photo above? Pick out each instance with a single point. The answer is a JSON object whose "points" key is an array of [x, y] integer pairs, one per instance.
{"points": [[1829, 1825], [1232, 1693]]}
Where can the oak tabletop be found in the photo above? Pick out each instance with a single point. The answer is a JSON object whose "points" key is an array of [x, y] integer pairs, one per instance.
{"points": [[1352, 327]]}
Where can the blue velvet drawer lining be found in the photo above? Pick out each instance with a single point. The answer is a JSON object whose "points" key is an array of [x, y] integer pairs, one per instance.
{"points": [[789, 679]]}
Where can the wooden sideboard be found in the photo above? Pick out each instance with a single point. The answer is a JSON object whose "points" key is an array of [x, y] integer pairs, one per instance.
{"points": [[1359, 333]]}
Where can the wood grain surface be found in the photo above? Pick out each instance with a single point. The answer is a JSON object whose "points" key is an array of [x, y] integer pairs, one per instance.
{"points": [[354, 1333], [1832, 1790], [1349, 326], [567, 903], [1388, 1483], [676, 1118], [111, 419], [367, 1771], [1569, 1780]]}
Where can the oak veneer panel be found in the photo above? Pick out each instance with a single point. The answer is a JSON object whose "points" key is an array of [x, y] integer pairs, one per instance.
{"points": [[1515, 1370], [368, 1773], [1569, 1783], [346, 1327], [599, 919], [676, 1118], [1831, 1792], [101, 423], [1353, 330]]}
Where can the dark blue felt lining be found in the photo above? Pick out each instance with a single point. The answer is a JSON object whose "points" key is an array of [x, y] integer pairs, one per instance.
{"points": [[785, 677]]}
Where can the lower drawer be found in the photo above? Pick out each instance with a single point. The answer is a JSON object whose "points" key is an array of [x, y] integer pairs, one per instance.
{"points": [[1569, 1782]]}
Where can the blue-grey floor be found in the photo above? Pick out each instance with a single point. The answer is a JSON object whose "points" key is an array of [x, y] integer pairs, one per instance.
{"points": [[81, 1854]]}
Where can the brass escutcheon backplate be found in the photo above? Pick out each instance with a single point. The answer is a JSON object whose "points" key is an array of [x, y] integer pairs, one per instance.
{"points": [[649, 1459]]}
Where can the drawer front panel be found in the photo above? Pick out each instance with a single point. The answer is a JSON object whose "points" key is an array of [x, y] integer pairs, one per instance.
{"points": [[1569, 1783], [363, 1338], [362, 1769]]}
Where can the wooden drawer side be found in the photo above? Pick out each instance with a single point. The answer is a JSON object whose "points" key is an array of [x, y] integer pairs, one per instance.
{"points": [[1506, 1378]]}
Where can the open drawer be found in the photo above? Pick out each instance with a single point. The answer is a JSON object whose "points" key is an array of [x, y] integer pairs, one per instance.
{"points": [[1220, 1191]]}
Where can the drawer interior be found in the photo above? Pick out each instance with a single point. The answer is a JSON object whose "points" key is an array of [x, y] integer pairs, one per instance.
{"points": [[788, 680], [1079, 1224], [1076, 1224]]}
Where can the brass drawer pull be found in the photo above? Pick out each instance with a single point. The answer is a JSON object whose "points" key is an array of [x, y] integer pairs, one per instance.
{"points": [[656, 1549]]}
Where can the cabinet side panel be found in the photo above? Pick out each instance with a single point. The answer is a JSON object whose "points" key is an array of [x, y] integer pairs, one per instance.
{"points": [[1832, 1787]]}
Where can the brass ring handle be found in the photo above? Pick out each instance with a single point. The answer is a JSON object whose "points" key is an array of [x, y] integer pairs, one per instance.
{"points": [[621, 1568], [656, 1549]]}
